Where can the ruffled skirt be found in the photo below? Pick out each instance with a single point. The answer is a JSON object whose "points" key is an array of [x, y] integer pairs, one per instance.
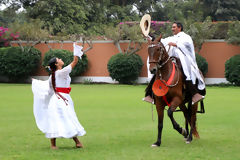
{"points": [[53, 116]]}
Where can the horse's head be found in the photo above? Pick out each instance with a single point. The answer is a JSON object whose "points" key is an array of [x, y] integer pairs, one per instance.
{"points": [[157, 54]]}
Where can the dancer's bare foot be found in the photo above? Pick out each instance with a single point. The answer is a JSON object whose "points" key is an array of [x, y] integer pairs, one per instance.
{"points": [[78, 143], [54, 147], [53, 143]]}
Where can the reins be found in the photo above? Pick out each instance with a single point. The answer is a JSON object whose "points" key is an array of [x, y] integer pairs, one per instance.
{"points": [[159, 66]]}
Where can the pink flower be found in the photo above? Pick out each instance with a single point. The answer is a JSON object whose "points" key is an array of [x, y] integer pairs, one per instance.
{"points": [[154, 22], [121, 23], [2, 29]]}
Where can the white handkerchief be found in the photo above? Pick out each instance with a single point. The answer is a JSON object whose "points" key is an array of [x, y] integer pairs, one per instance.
{"points": [[77, 50]]}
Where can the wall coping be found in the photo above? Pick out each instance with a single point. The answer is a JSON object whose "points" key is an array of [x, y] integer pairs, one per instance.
{"points": [[104, 41]]}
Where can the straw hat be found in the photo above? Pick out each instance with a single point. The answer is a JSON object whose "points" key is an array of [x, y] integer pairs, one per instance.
{"points": [[145, 24]]}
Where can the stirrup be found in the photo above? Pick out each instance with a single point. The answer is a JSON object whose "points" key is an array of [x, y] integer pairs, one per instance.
{"points": [[148, 99], [196, 98]]}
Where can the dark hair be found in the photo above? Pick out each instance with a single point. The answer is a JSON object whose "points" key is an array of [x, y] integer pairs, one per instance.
{"points": [[52, 64], [179, 25]]}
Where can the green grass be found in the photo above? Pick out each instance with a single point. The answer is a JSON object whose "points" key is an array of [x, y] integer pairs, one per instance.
{"points": [[119, 126]]}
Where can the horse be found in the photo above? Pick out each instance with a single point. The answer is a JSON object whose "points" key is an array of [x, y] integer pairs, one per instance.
{"points": [[162, 66]]}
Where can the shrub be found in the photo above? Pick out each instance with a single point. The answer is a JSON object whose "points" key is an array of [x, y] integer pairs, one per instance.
{"points": [[18, 64], [202, 64], [232, 70], [6, 36], [67, 57], [233, 34], [125, 68]]}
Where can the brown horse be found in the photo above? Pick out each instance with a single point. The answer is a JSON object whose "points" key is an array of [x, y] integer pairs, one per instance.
{"points": [[162, 65]]}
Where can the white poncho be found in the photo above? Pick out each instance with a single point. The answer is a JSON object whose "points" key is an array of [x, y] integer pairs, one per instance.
{"points": [[185, 52]]}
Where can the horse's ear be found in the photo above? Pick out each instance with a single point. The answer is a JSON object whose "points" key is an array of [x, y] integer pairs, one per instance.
{"points": [[149, 41], [159, 38]]}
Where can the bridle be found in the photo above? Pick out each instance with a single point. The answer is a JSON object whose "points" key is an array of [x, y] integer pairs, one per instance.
{"points": [[160, 65], [160, 45]]}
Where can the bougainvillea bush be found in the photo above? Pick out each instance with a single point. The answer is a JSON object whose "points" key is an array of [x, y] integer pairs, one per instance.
{"points": [[6, 36]]}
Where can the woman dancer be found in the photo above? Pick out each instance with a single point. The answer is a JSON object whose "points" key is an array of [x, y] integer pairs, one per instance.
{"points": [[53, 107]]}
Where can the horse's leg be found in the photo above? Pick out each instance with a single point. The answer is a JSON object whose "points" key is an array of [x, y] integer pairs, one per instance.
{"points": [[193, 119], [187, 119], [160, 112], [176, 126], [175, 102]]}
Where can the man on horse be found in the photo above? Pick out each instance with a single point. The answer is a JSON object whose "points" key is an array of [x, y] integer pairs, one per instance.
{"points": [[180, 45]]}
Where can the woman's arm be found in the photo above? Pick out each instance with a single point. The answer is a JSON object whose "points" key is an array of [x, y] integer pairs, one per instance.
{"points": [[74, 62]]}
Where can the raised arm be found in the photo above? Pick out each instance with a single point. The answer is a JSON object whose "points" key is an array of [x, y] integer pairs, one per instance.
{"points": [[74, 62], [77, 52]]}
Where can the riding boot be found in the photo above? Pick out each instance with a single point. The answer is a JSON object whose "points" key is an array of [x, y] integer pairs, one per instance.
{"points": [[192, 90]]}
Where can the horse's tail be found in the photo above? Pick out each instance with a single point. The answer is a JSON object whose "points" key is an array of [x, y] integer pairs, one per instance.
{"points": [[194, 131], [192, 109]]}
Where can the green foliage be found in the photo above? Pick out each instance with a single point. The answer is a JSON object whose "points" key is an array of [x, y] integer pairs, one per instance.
{"points": [[200, 32], [233, 34], [131, 32], [125, 68], [17, 64], [30, 30], [202, 64], [124, 32], [222, 10], [67, 57], [64, 17], [220, 30], [232, 70]]}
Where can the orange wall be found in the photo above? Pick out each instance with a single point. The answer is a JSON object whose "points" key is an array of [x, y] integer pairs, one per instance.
{"points": [[216, 54]]}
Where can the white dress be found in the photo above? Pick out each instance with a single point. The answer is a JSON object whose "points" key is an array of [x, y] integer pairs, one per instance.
{"points": [[53, 116]]}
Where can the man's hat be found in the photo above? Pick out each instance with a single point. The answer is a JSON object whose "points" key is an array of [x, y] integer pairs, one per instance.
{"points": [[145, 24], [159, 88]]}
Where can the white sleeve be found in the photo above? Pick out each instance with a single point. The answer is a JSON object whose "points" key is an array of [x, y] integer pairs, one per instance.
{"points": [[165, 41], [66, 70]]}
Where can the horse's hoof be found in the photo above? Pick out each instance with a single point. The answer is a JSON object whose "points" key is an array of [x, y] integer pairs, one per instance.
{"points": [[184, 133], [157, 144], [154, 145], [188, 142]]}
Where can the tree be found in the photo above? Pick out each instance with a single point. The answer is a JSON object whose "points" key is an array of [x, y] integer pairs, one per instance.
{"points": [[30, 31], [233, 35], [221, 10], [61, 17], [200, 31], [125, 32]]}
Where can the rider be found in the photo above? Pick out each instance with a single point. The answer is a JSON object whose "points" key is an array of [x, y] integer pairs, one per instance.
{"points": [[181, 46]]}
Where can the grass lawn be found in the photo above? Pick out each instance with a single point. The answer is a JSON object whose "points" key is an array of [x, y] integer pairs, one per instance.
{"points": [[119, 126]]}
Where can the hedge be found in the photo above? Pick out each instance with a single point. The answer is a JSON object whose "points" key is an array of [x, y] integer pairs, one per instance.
{"points": [[232, 70], [17, 63], [125, 68]]}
